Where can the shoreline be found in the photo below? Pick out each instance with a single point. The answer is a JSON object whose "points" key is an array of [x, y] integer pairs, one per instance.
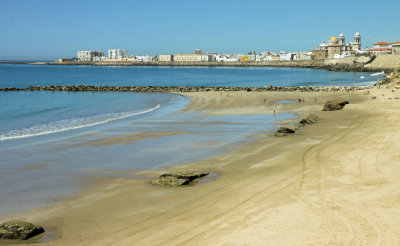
{"points": [[98, 138]]}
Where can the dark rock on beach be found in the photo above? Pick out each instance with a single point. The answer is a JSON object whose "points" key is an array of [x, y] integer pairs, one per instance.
{"points": [[311, 119], [285, 130], [277, 134], [19, 230], [334, 105], [180, 178]]}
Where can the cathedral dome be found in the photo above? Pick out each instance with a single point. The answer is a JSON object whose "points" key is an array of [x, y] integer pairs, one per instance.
{"points": [[341, 35], [333, 40], [357, 34]]}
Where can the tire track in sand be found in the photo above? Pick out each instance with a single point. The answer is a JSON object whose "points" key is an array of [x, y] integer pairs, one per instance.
{"points": [[328, 209]]}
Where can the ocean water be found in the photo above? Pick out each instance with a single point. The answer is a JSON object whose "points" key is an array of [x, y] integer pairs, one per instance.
{"points": [[32, 113], [26, 75], [51, 142]]}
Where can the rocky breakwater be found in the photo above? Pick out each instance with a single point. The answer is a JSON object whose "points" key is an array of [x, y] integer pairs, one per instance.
{"points": [[174, 89]]}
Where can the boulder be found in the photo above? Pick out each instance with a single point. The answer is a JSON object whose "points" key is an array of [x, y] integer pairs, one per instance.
{"points": [[334, 105], [17, 229], [311, 119], [285, 130], [178, 178]]}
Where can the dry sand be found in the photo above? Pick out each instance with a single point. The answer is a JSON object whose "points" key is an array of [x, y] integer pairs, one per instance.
{"points": [[333, 183]]}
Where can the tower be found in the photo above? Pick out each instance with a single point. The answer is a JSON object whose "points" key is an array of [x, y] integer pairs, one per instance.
{"points": [[357, 41], [334, 48], [342, 42]]}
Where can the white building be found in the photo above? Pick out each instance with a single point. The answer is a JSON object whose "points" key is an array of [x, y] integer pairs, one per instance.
{"points": [[285, 57], [99, 58], [146, 58], [165, 58], [192, 57], [226, 58], [117, 54], [206, 57], [396, 48], [381, 48], [301, 56], [90, 55]]}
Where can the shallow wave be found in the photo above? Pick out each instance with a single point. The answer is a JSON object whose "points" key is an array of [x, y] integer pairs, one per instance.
{"points": [[70, 124], [367, 83]]}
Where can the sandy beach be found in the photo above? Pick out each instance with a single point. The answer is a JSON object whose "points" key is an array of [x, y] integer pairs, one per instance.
{"points": [[332, 183]]}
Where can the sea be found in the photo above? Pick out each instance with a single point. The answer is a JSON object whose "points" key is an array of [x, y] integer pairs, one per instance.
{"points": [[53, 142]]}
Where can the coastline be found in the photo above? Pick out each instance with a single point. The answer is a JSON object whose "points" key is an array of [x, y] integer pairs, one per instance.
{"points": [[323, 184], [358, 63]]}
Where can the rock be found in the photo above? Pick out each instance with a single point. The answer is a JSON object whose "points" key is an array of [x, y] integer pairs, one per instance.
{"points": [[285, 130], [311, 119], [335, 105], [178, 178], [17, 229], [278, 134], [298, 126]]}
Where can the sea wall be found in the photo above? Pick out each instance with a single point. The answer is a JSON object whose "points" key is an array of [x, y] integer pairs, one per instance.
{"points": [[301, 64], [385, 62], [357, 63], [173, 89]]}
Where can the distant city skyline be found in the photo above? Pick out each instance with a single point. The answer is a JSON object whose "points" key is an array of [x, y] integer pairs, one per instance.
{"points": [[46, 29]]}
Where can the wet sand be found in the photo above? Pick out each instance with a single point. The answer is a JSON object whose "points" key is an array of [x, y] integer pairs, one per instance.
{"points": [[332, 183]]}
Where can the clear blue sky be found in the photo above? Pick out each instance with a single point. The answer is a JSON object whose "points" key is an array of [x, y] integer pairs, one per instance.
{"points": [[48, 29]]}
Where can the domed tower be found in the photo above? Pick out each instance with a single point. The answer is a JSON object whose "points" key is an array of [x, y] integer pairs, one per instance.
{"points": [[342, 42], [333, 40], [333, 47], [357, 41]]}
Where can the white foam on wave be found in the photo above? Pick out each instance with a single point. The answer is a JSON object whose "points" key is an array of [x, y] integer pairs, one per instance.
{"points": [[70, 124], [367, 83]]}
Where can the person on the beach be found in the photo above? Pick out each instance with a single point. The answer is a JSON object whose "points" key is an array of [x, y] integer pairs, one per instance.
{"points": [[274, 113]]}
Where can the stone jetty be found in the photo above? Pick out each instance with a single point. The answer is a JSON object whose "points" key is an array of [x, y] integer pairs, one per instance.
{"points": [[173, 89]]}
